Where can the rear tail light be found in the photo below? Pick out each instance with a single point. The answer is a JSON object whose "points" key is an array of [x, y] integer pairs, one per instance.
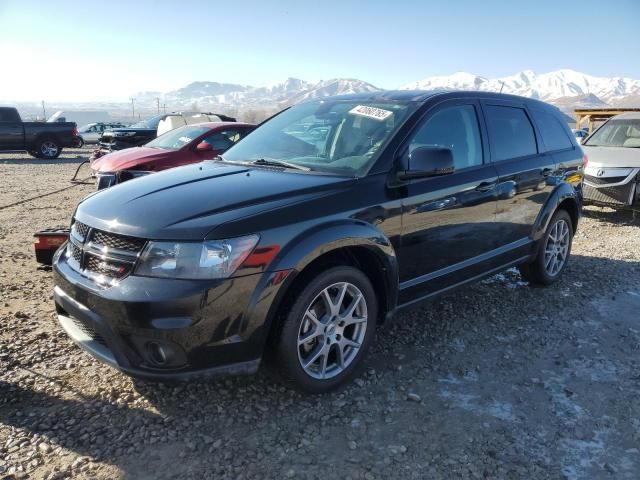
{"points": [[74, 132]]}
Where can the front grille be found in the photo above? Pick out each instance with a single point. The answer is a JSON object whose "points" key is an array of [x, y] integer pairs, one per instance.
{"points": [[88, 329], [617, 196], [80, 229], [108, 268], [119, 242], [102, 256], [74, 252], [603, 180]]}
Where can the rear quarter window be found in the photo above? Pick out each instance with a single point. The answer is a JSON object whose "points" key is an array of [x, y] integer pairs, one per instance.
{"points": [[553, 133], [510, 132]]}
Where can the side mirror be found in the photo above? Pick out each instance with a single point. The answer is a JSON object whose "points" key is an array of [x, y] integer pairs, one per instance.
{"points": [[428, 162], [204, 147]]}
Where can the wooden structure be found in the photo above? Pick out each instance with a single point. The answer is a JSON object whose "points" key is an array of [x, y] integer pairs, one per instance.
{"points": [[592, 115]]}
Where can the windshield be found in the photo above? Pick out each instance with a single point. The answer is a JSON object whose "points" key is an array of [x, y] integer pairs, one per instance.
{"points": [[617, 133], [340, 137], [149, 123], [178, 138]]}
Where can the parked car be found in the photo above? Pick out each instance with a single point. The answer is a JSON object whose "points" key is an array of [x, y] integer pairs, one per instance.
{"points": [[39, 139], [92, 132], [143, 132], [613, 172], [182, 146], [580, 134], [299, 249]]}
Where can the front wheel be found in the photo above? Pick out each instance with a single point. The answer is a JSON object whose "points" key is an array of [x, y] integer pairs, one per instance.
{"points": [[553, 251], [328, 329], [48, 149]]}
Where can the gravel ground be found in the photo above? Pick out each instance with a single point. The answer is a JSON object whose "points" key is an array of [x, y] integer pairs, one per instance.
{"points": [[500, 380]]}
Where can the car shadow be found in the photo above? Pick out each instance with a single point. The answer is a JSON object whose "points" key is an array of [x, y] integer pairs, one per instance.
{"points": [[610, 215]]}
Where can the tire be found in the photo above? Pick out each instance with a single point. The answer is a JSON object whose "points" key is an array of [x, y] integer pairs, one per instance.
{"points": [[329, 338], [552, 256], [79, 142], [33, 153], [48, 148]]}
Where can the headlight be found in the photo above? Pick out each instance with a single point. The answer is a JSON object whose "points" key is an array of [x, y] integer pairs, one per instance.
{"points": [[195, 261]]}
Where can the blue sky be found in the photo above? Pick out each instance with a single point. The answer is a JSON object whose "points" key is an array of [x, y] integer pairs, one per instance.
{"points": [[67, 50]]}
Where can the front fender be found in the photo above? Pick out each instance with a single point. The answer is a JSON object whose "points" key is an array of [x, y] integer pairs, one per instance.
{"points": [[310, 245], [562, 192]]}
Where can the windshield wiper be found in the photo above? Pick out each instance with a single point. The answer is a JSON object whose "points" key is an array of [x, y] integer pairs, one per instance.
{"points": [[279, 163]]}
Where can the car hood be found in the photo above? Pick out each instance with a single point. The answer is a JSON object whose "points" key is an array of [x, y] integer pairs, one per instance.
{"points": [[128, 158], [125, 129], [612, 156], [187, 203]]}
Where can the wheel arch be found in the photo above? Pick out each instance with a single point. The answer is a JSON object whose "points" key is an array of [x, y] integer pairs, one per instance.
{"points": [[564, 197], [352, 244]]}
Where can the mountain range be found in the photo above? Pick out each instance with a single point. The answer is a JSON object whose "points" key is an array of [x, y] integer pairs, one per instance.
{"points": [[565, 88]]}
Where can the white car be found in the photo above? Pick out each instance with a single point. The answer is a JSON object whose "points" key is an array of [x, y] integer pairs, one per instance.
{"points": [[612, 174], [93, 131]]}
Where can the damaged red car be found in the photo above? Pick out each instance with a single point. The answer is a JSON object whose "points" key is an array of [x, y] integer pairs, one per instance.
{"points": [[182, 146]]}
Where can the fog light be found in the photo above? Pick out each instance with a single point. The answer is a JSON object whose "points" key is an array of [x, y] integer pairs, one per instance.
{"points": [[156, 353]]}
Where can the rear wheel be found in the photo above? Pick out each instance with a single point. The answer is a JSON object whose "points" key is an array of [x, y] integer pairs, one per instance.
{"points": [[48, 148], [79, 142], [327, 330], [553, 251]]}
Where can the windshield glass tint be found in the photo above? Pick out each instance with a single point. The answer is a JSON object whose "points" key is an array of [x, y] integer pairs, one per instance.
{"points": [[178, 138], [617, 133], [335, 137]]}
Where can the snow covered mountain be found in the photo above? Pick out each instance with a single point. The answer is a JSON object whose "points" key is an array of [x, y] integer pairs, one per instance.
{"points": [[550, 87], [208, 95]]}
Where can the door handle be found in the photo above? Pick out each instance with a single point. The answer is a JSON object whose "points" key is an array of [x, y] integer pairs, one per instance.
{"points": [[486, 186], [546, 172]]}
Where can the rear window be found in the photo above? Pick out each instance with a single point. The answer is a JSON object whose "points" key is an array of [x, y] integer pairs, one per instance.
{"points": [[511, 132], [552, 131]]}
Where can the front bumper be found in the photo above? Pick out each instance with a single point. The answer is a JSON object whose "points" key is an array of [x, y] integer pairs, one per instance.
{"points": [[616, 187], [164, 329]]}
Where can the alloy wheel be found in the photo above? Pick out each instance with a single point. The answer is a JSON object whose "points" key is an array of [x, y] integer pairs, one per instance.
{"points": [[332, 330], [49, 149], [557, 248]]}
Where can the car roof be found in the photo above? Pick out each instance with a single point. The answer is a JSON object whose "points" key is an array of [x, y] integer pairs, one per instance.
{"points": [[421, 96], [627, 116]]}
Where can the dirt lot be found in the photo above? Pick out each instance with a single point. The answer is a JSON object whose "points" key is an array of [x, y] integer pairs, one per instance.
{"points": [[499, 381]]}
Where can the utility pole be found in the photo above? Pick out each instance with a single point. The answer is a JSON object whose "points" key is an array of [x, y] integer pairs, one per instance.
{"points": [[44, 112], [133, 109], [164, 108], [158, 103]]}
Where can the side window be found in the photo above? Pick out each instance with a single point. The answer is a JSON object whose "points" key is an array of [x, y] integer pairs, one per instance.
{"points": [[511, 132], [222, 141], [455, 127], [552, 131]]}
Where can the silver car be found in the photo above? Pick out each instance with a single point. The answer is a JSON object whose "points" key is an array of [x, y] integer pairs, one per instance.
{"points": [[91, 132], [613, 169]]}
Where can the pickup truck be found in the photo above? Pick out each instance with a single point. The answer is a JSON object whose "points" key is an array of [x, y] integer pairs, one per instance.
{"points": [[39, 139]]}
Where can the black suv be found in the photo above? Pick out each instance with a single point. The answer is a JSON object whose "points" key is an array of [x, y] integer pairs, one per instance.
{"points": [[320, 225]]}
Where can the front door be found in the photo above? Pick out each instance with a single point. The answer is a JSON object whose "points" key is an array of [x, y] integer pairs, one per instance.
{"points": [[448, 223], [11, 131]]}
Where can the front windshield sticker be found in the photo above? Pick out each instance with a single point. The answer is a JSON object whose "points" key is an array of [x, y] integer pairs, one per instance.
{"points": [[371, 112], [185, 139]]}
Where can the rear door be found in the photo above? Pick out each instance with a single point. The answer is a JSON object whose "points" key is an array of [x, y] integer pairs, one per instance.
{"points": [[448, 222], [11, 130], [525, 172]]}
